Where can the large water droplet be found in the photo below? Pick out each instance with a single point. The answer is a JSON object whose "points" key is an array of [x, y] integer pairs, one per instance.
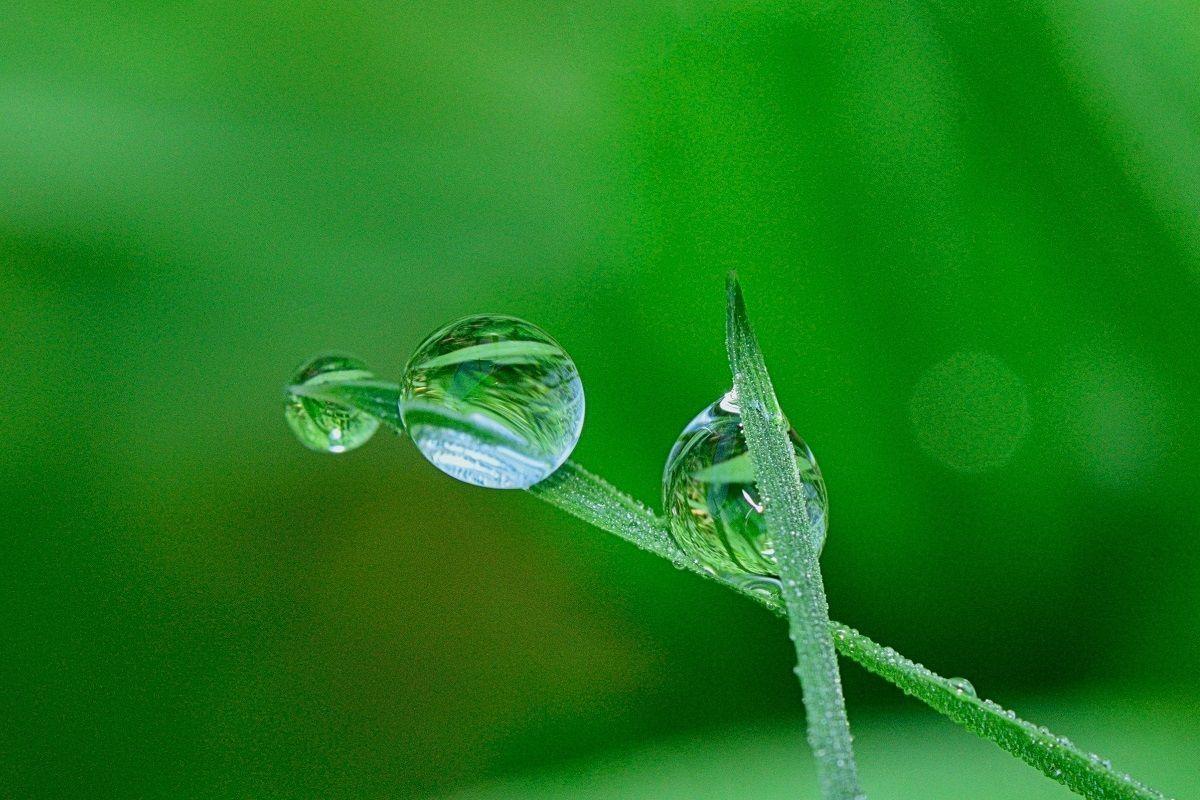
{"points": [[492, 401], [713, 503], [324, 425], [962, 686]]}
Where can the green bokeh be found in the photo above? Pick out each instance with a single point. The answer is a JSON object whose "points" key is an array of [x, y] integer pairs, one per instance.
{"points": [[970, 241]]}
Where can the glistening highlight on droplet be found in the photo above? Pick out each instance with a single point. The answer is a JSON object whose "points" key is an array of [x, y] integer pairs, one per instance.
{"points": [[493, 401], [712, 500], [322, 424]]}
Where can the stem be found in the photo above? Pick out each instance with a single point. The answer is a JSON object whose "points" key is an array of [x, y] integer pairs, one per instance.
{"points": [[816, 666], [590, 498], [777, 475], [595, 501], [1057, 757]]}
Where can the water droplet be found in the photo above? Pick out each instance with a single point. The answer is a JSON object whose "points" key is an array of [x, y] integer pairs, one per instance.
{"points": [[962, 686], [324, 425], [492, 401], [713, 502]]}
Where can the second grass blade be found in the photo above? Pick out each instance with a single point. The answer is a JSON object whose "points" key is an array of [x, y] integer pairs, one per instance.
{"points": [[778, 479]]}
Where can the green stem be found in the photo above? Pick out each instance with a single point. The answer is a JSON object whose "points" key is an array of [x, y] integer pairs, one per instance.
{"points": [[786, 511], [593, 500], [588, 497]]}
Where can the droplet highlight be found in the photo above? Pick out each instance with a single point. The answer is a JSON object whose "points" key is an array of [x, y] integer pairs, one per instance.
{"points": [[321, 424], [493, 401], [712, 500]]}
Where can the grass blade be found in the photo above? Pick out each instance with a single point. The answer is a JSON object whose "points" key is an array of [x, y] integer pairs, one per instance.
{"points": [[778, 478], [598, 503], [593, 500], [380, 399], [519, 352], [1056, 756]]}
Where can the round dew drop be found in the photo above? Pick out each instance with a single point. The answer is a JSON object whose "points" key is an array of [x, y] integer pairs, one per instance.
{"points": [[492, 401], [712, 501], [962, 686], [324, 425]]}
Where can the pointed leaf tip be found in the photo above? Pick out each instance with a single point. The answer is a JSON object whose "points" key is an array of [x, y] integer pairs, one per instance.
{"points": [[777, 473], [733, 290], [735, 316]]}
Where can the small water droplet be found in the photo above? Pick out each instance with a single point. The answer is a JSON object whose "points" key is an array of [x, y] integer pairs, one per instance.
{"points": [[492, 401], [712, 500], [962, 686], [323, 425]]}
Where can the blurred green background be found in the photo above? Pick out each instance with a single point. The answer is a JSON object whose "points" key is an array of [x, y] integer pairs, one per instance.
{"points": [[970, 242]]}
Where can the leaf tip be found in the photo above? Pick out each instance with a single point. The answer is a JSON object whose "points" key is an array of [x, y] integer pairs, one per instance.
{"points": [[735, 308], [733, 287]]}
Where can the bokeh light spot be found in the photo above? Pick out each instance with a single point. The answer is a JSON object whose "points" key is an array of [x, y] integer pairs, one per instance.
{"points": [[970, 412]]}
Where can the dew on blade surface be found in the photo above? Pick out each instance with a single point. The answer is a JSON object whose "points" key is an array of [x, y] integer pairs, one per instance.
{"points": [[321, 424], [493, 401], [712, 501]]}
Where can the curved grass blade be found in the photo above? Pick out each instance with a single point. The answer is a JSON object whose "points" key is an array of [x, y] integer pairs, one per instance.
{"points": [[588, 497], [786, 513], [380, 399], [519, 352]]}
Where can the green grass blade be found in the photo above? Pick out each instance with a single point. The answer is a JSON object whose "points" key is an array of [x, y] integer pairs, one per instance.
{"points": [[380, 399], [593, 500], [519, 352], [778, 477], [1056, 756]]}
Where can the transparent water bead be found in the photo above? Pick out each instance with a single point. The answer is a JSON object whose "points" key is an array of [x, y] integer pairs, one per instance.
{"points": [[713, 503], [962, 686], [492, 401], [321, 424]]}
